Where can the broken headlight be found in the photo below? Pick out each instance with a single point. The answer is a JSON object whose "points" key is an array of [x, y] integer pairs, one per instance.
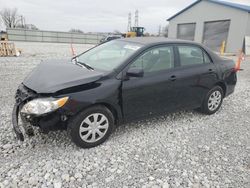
{"points": [[43, 105]]}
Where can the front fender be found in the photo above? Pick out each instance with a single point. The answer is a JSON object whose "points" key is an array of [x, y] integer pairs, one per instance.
{"points": [[107, 92]]}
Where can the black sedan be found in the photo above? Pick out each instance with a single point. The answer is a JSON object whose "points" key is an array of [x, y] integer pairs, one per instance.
{"points": [[120, 81]]}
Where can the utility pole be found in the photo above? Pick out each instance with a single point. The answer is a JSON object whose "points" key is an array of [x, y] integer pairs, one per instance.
{"points": [[22, 21], [129, 22], [159, 32], [136, 18]]}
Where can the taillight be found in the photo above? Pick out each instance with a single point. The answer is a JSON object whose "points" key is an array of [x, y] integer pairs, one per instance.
{"points": [[236, 67]]}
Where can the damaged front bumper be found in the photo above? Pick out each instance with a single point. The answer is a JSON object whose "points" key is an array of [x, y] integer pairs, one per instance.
{"points": [[27, 127], [23, 94], [16, 127], [47, 122]]}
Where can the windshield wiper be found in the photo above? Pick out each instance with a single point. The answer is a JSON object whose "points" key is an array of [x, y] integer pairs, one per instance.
{"points": [[82, 64], [85, 65]]}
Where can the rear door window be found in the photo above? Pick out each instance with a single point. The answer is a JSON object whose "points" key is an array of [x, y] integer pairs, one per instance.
{"points": [[192, 55]]}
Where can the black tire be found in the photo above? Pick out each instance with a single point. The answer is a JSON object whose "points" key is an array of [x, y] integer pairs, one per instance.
{"points": [[205, 105], [75, 123]]}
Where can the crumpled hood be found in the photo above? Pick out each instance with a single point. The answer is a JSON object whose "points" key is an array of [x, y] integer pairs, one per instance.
{"points": [[52, 76]]}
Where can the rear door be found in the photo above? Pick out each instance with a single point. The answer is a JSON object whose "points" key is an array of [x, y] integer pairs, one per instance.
{"points": [[194, 77], [154, 92]]}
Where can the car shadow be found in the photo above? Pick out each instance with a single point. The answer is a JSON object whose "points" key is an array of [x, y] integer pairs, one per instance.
{"points": [[61, 139]]}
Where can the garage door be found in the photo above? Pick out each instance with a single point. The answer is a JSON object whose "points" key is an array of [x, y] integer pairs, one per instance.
{"points": [[215, 33], [186, 31]]}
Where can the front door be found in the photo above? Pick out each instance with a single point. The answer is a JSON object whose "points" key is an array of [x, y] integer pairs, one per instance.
{"points": [[154, 92]]}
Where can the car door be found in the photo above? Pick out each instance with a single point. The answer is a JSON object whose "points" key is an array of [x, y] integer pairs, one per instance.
{"points": [[153, 93], [195, 75]]}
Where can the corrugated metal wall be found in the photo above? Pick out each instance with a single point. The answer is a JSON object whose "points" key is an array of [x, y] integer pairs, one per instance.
{"points": [[52, 36], [206, 11]]}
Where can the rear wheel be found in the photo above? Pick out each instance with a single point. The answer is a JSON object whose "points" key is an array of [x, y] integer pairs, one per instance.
{"points": [[212, 101], [91, 127]]}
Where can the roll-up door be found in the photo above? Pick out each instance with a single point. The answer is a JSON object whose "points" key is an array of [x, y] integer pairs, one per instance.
{"points": [[186, 31], [215, 33]]}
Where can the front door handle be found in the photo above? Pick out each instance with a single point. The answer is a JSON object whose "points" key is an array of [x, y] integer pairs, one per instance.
{"points": [[172, 78], [210, 71]]}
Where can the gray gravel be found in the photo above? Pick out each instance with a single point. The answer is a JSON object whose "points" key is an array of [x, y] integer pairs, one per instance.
{"points": [[184, 149]]}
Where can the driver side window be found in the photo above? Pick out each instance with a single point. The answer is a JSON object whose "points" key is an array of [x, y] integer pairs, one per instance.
{"points": [[156, 59]]}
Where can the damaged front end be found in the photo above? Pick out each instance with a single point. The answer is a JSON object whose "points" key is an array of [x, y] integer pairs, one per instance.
{"points": [[36, 110], [23, 95]]}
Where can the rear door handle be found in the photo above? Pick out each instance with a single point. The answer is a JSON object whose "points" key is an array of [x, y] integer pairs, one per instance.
{"points": [[172, 78]]}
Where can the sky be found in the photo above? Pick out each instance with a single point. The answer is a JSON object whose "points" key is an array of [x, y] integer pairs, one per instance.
{"points": [[97, 15]]}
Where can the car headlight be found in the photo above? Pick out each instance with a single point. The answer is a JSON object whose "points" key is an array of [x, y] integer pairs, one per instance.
{"points": [[43, 105]]}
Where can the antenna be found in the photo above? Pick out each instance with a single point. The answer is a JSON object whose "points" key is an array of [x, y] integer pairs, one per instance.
{"points": [[136, 18], [129, 21]]}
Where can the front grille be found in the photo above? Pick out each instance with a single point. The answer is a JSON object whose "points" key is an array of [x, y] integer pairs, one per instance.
{"points": [[23, 94]]}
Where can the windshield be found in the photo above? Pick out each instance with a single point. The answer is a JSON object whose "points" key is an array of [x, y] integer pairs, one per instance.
{"points": [[110, 55]]}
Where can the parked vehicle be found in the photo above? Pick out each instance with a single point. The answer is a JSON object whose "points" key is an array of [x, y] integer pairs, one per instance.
{"points": [[109, 38], [120, 81]]}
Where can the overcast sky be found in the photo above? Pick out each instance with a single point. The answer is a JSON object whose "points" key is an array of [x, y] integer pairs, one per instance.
{"points": [[97, 15]]}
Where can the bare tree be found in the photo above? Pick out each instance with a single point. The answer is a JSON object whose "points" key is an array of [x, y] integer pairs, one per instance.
{"points": [[1, 24], [10, 17]]}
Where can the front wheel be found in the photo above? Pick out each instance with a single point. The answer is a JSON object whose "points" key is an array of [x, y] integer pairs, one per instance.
{"points": [[212, 101], [91, 127]]}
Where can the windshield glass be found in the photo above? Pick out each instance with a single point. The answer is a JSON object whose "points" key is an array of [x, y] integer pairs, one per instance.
{"points": [[110, 55]]}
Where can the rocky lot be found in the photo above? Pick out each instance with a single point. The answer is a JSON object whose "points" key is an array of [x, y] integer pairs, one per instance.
{"points": [[184, 149]]}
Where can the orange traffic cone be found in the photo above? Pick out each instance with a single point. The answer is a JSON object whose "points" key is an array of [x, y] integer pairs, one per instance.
{"points": [[72, 50], [239, 61]]}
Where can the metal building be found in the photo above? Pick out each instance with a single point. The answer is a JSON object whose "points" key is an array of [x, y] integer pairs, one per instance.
{"points": [[211, 22]]}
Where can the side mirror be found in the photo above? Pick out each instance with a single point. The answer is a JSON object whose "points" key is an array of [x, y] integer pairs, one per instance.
{"points": [[135, 72], [74, 59]]}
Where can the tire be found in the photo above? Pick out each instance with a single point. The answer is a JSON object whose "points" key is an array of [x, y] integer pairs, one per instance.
{"points": [[212, 101], [91, 127]]}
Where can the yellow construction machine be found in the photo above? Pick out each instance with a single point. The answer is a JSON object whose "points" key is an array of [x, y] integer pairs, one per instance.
{"points": [[135, 32]]}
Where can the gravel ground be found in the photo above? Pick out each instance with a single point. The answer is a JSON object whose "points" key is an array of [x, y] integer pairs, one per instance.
{"points": [[184, 149]]}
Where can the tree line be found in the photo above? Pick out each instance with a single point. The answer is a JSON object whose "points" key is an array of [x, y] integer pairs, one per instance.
{"points": [[10, 18]]}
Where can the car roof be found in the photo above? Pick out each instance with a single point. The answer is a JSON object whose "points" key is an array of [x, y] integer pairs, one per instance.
{"points": [[151, 41], [155, 40]]}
